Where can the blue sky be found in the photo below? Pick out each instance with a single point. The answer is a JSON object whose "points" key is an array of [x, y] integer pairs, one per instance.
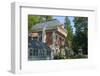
{"points": [[62, 18]]}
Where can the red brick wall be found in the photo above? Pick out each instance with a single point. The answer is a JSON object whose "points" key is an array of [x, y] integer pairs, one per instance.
{"points": [[49, 38]]}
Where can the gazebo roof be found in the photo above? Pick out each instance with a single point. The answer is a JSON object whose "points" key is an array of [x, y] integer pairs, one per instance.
{"points": [[52, 24]]}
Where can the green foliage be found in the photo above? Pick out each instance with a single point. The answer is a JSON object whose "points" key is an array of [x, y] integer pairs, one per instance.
{"points": [[69, 32], [79, 56], [34, 19], [80, 39], [59, 56], [48, 18]]}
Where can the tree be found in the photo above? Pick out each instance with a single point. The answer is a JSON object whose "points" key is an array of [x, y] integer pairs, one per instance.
{"points": [[80, 39], [69, 32], [48, 18], [34, 19]]}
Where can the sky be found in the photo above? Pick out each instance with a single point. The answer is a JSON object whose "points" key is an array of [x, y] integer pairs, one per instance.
{"points": [[62, 18]]}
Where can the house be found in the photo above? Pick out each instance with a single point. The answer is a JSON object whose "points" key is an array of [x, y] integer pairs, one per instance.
{"points": [[52, 33]]}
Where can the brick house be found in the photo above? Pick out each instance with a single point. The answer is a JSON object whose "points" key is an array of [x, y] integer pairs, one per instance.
{"points": [[52, 33]]}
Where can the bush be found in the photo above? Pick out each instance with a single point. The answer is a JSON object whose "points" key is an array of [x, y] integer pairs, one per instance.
{"points": [[59, 56], [80, 56]]}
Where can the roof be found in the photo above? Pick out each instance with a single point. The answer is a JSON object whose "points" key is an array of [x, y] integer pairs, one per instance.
{"points": [[52, 24]]}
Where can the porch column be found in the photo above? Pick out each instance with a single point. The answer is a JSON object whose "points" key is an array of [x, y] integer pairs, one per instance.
{"points": [[54, 37], [54, 40], [44, 34]]}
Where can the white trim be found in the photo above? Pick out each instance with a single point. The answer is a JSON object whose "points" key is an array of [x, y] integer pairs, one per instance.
{"points": [[16, 60]]}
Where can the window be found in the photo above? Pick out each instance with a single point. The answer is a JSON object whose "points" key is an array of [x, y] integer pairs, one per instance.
{"points": [[48, 53], [41, 53], [35, 52], [30, 52]]}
